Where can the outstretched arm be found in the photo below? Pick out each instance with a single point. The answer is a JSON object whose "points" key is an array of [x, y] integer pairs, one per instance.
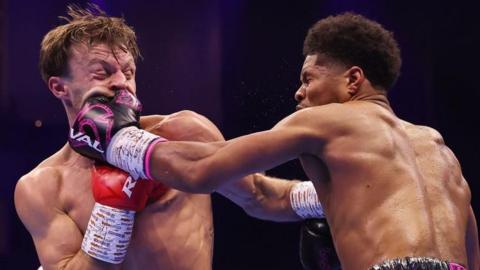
{"points": [[188, 166], [259, 195], [204, 168]]}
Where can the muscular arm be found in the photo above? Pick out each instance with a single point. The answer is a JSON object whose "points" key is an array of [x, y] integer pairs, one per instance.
{"points": [[200, 167], [262, 197], [259, 195], [56, 237], [471, 240]]}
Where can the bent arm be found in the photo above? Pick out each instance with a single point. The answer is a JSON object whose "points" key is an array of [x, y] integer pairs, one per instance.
{"points": [[471, 240], [259, 195], [262, 197], [56, 237]]}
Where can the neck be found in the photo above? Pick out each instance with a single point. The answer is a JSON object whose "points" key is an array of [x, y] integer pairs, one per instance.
{"points": [[373, 96], [74, 158], [70, 116]]}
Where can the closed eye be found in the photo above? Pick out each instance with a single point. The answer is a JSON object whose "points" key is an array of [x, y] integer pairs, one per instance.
{"points": [[306, 78], [99, 71], [100, 74], [129, 73]]}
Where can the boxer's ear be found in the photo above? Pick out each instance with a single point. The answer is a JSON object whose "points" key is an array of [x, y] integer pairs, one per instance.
{"points": [[57, 86], [355, 78]]}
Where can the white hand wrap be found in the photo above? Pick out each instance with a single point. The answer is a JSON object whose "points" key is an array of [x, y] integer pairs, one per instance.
{"points": [[108, 233], [304, 201], [130, 150]]}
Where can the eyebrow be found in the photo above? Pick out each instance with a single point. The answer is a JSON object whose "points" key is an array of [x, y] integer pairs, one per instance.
{"points": [[97, 61], [304, 73], [129, 64]]}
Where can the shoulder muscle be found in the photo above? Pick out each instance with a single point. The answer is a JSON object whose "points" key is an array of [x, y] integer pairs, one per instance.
{"points": [[55, 235], [317, 125], [35, 198], [185, 125]]}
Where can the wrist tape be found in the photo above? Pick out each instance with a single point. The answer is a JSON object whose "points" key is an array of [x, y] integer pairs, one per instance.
{"points": [[304, 201], [108, 233], [130, 150]]}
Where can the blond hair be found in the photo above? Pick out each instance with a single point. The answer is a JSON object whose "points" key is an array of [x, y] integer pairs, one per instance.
{"points": [[87, 26]]}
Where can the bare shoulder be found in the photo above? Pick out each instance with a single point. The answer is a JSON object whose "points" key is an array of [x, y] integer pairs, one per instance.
{"points": [[310, 129], [36, 194], [183, 125], [185, 118], [330, 120], [40, 207], [151, 120], [429, 146], [423, 133], [43, 179]]}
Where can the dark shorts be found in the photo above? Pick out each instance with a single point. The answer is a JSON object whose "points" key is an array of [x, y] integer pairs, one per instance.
{"points": [[417, 263]]}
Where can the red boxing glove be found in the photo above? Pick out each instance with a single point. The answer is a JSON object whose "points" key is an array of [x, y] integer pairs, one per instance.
{"points": [[116, 188], [158, 191], [117, 198]]}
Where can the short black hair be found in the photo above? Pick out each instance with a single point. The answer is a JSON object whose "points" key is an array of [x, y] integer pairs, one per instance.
{"points": [[352, 39]]}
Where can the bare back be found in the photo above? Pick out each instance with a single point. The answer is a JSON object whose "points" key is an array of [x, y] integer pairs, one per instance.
{"points": [[390, 189], [173, 232]]}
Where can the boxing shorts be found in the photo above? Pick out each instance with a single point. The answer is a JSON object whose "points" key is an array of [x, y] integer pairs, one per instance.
{"points": [[417, 263]]}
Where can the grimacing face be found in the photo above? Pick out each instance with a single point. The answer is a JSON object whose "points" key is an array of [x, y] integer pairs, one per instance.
{"points": [[97, 69], [321, 83]]}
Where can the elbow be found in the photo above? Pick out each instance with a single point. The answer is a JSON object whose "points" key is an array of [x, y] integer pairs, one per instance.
{"points": [[254, 210], [254, 206]]}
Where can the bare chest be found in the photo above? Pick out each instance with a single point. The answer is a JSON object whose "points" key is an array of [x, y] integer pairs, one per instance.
{"points": [[173, 225], [76, 197]]}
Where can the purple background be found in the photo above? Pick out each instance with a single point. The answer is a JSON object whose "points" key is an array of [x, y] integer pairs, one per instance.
{"points": [[238, 63]]}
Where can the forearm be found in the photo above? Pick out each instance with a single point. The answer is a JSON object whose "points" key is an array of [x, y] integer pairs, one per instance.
{"points": [[271, 198], [187, 166], [63, 251], [206, 167], [262, 197], [82, 261], [54, 255]]}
